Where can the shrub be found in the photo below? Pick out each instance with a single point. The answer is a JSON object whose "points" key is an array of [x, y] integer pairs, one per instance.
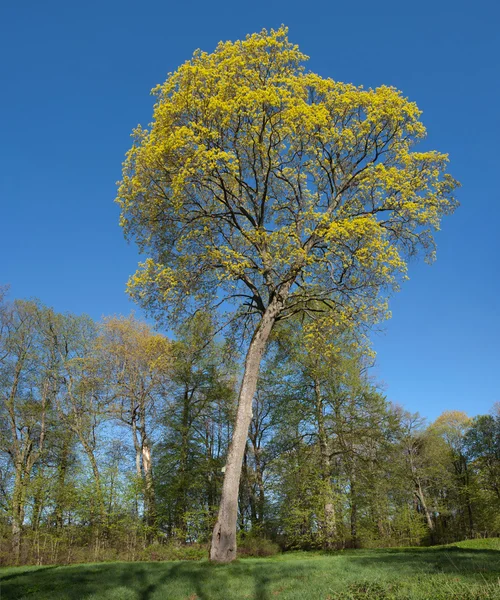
{"points": [[257, 546], [172, 551]]}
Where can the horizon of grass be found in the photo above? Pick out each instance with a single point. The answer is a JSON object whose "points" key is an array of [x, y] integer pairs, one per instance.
{"points": [[468, 570]]}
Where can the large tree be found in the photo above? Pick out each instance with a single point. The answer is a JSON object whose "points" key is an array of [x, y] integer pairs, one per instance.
{"points": [[269, 187]]}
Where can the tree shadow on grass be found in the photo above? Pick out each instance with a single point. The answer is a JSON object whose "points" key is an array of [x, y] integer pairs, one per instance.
{"points": [[28, 571], [466, 563], [251, 580], [76, 581]]}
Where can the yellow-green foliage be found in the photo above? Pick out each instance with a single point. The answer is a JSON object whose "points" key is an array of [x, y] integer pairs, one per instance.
{"points": [[255, 172]]}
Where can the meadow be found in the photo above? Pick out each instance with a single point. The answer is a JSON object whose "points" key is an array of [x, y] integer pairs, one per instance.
{"points": [[465, 571]]}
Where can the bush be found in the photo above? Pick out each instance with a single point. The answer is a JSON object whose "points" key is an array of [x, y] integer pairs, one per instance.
{"points": [[172, 551], [257, 546]]}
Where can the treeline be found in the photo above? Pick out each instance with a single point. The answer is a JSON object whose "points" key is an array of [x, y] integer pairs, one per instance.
{"points": [[113, 441]]}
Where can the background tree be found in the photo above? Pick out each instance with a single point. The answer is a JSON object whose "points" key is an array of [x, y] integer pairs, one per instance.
{"points": [[83, 403], [452, 427], [196, 423], [482, 443], [272, 187], [29, 385], [328, 462], [137, 369]]}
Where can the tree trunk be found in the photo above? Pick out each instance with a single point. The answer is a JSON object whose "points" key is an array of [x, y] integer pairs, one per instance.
{"points": [[354, 509], [61, 483], [100, 517], [420, 495], [137, 448], [16, 537], [182, 489], [223, 548], [149, 490], [247, 494], [329, 525], [468, 498], [18, 499], [37, 503], [260, 484]]}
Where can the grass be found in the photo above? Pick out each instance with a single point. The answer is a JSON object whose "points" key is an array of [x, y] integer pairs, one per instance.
{"points": [[464, 571]]}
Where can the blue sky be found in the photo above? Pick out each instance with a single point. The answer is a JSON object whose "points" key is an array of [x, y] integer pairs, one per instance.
{"points": [[76, 78]]}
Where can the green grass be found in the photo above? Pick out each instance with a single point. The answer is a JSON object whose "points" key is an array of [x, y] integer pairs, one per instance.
{"points": [[464, 571]]}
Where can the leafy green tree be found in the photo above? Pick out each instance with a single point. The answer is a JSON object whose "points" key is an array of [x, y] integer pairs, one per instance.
{"points": [[452, 427], [482, 442], [83, 402], [196, 418], [28, 387]]}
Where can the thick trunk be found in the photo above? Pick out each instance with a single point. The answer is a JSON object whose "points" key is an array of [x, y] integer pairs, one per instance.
{"points": [[16, 537], [223, 548]]}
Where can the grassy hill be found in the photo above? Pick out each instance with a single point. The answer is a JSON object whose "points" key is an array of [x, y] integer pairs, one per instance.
{"points": [[467, 570]]}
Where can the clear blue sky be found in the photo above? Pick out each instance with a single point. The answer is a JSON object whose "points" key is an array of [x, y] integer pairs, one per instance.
{"points": [[75, 80]]}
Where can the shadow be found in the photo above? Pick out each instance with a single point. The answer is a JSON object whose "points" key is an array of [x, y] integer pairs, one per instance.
{"points": [[27, 571], [465, 562], [263, 579], [57, 582], [138, 579], [246, 579]]}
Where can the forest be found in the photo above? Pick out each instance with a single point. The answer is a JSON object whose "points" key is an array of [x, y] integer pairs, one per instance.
{"points": [[113, 442]]}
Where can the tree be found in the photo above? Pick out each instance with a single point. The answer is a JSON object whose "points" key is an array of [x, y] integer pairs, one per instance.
{"points": [[137, 363], [200, 398], [83, 401], [415, 447], [452, 427], [279, 191], [28, 385], [482, 442], [483, 446]]}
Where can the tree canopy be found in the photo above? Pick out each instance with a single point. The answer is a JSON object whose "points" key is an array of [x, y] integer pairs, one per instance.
{"points": [[257, 178]]}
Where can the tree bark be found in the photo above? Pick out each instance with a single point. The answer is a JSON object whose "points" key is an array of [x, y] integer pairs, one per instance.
{"points": [[100, 517], [149, 490], [17, 513], [354, 508], [421, 498], [329, 525], [61, 483], [468, 498], [223, 547]]}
